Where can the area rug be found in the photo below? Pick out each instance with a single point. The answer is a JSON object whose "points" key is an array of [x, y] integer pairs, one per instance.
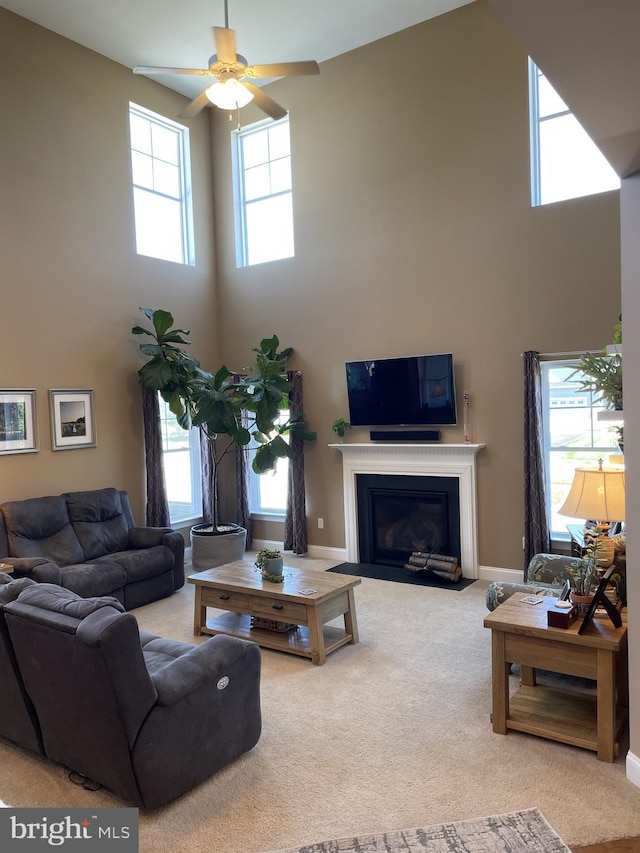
{"points": [[517, 832], [399, 575]]}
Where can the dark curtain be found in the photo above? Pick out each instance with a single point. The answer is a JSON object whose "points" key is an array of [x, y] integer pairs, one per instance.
{"points": [[536, 524], [157, 511], [295, 524], [206, 475], [243, 507]]}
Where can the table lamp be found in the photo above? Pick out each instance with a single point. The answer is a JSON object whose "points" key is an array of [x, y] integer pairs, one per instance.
{"points": [[597, 494]]}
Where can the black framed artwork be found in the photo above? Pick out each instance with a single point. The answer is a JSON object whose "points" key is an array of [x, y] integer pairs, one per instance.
{"points": [[600, 600]]}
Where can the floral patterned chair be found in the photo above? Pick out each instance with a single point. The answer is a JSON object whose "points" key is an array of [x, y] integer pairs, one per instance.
{"points": [[546, 574]]}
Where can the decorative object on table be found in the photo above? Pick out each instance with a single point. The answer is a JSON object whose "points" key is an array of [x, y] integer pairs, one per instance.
{"points": [[18, 433], [72, 419], [272, 625], [231, 409], [597, 494], [562, 615], [269, 563], [600, 599], [340, 427], [439, 564], [467, 416]]}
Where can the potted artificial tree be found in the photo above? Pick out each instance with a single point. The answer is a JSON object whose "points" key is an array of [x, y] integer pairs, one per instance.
{"points": [[230, 409]]}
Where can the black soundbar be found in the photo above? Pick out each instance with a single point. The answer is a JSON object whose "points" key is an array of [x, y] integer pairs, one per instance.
{"points": [[405, 435]]}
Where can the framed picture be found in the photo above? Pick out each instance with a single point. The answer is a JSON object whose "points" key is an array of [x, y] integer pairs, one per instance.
{"points": [[18, 421], [72, 422], [600, 600]]}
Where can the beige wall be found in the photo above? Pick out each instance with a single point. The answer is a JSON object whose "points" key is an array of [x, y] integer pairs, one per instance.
{"points": [[71, 282], [414, 234]]}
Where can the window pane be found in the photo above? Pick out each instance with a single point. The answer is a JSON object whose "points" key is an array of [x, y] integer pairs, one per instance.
{"points": [[142, 170], [270, 229], [158, 226], [281, 175], [256, 182], [549, 101], [140, 129], [165, 144], [570, 164], [166, 179], [273, 488], [255, 149], [279, 141]]}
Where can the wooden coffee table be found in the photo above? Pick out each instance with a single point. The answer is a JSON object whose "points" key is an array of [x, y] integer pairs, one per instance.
{"points": [[307, 598], [519, 634]]}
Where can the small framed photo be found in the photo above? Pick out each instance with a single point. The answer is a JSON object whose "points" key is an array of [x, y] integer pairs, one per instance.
{"points": [[18, 432], [72, 421]]}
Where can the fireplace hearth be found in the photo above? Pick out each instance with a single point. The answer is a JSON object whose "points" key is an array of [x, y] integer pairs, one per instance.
{"points": [[398, 515]]}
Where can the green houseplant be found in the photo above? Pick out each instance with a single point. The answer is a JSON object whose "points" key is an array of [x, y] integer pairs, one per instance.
{"points": [[340, 427], [269, 563], [602, 372], [231, 408]]}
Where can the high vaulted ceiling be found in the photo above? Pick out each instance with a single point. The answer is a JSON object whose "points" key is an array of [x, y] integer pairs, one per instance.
{"points": [[171, 33]]}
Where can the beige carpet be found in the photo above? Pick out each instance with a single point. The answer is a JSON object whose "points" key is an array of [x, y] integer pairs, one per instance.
{"points": [[391, 733]]}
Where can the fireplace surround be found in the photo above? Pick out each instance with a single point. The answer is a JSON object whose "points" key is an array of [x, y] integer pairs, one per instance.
{"points": [[389, 459]]}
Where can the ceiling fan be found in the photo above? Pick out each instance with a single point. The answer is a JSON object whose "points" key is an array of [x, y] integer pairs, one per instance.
{"points": [[231, 87]]}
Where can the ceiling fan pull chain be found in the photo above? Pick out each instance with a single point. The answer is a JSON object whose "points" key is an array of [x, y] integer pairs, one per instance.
{"points": [[226, 14]]}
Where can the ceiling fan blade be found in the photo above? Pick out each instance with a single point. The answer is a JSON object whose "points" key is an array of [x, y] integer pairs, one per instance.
{"points": [[152, 69], [196, 106], [283, 69], [225, 40], [264, 102]]}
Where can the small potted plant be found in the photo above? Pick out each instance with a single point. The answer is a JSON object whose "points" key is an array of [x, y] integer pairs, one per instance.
{"points": [[340, 427], [585, 576], [270, 565]]}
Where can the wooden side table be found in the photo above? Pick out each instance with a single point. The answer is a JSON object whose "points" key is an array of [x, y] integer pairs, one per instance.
{"points": [[6, 567], [519, 634]]}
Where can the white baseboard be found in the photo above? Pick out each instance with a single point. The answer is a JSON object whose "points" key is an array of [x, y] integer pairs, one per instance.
{"points": [[491, 573], [633, 769], [319, 552]]}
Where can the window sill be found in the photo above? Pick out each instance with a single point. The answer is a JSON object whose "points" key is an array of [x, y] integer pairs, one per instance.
{"points": [[268, 516]]}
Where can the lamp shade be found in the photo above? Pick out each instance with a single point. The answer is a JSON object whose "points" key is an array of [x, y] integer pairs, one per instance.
{"points": [[230, 95], [596, 494]]}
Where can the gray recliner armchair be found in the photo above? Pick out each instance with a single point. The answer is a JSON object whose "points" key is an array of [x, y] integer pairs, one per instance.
{"points": [[147, 717], [546, 574]]}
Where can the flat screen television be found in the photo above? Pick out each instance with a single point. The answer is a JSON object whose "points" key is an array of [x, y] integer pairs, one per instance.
{"points": [[415, 390]]}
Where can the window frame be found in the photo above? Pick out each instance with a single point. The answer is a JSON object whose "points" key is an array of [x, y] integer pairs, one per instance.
{"points": [[184, 196], [535, 147], [240, 202], [562, 537]]}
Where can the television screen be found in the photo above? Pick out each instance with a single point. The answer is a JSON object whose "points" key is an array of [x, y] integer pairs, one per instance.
{"points": [[417, 390]]}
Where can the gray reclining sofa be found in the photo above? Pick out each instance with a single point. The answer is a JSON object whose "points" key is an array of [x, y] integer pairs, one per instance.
{"points": [[88, 542]]}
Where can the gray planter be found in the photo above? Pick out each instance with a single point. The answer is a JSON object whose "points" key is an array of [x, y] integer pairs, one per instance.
{"points": [[210, 548]]}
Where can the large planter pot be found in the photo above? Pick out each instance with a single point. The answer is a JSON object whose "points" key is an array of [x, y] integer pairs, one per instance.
{"points": [[211, 548]]}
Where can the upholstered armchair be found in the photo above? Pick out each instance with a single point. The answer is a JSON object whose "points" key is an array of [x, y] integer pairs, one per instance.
{"points": [[147, 717], [546, 574]]}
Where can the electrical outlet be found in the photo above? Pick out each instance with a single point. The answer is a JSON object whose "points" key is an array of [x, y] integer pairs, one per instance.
{"points": [[321, 523]]}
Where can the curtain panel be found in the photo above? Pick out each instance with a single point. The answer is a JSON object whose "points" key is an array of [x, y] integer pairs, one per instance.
{"points": [[295, 524], [157, 509], [536, 524]]}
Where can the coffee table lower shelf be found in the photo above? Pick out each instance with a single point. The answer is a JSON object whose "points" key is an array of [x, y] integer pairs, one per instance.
{"points": [[296, 642], [561, 715]]}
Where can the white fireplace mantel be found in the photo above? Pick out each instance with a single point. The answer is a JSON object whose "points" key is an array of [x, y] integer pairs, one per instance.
{"points": [[428, 460]]}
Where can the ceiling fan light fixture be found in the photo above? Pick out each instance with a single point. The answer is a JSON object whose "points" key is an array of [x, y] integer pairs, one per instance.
{"points": [[230, 95]]}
